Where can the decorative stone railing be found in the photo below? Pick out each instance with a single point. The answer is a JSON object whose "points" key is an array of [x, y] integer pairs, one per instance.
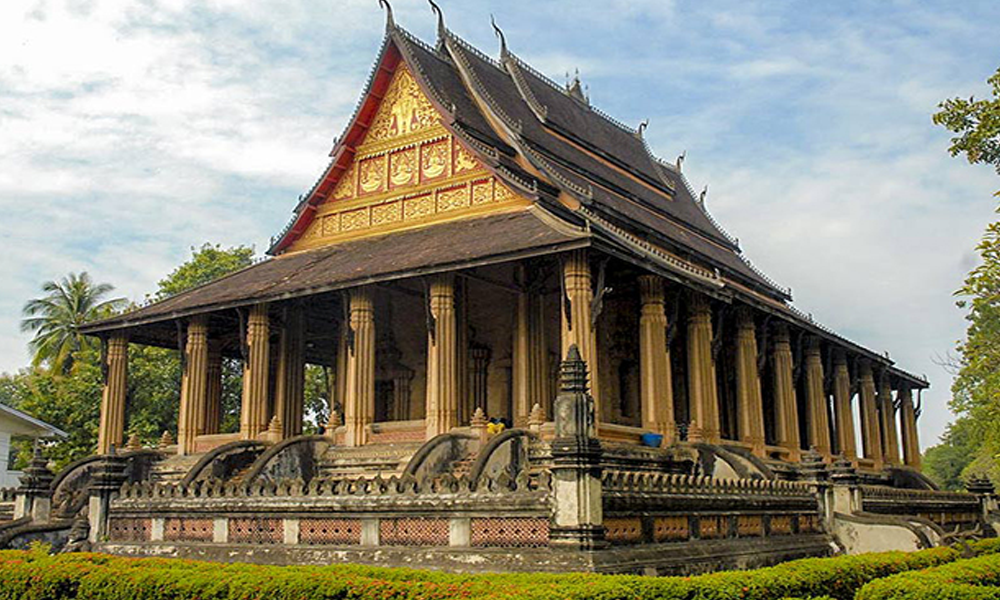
{"points": [[403, 511], [947, 509], [658, 507]]}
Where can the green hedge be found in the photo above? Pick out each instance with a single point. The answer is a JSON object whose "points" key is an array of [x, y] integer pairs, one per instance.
{"points": [[33, 575], [971, 579]]}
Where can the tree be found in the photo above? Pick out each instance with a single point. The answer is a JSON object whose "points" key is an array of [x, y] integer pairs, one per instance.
{"points": [[972, 444], [56, 319], [206, 264], [977, 123]]}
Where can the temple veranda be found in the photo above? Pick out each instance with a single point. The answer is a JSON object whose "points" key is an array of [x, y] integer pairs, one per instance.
{"points": [[545, 354]]}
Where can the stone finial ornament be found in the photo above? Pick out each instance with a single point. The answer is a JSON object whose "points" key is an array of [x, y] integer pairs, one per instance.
{"points": [[537, 417], [166, 439], [133, 442]]}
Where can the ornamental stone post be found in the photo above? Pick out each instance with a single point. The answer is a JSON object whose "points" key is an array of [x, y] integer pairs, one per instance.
{"points": [[577, 518], [983, 488], [106, 480], [33, 498]]}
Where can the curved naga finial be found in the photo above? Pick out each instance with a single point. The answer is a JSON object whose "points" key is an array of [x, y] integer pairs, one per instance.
{"points": [[642, 127], [704, 193], [440, 17], [390, 23], [500, 36], [680, 159]]}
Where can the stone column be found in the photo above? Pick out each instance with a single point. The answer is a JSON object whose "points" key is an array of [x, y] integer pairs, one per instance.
{"points": [[870, 436], [846, 445], [521, 357], [787, 422], [887, 413], [750, 401], [911, 440], [702, 392], [538, 355], [194, 385], [577, 518], [479, 361], [340, 377], [112, 425], [359, 401], [818, 416], [442, 358], [256, 372], [289, 387], [577, 324], [655, 387], [213, 396]]}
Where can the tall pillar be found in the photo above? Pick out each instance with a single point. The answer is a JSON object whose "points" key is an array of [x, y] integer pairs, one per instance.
{"points": [[442, 358], [870, 435], [818, 417], [911, 443], [213, 396], [702, 392], [289, 388], [530, 360], [479, 361], [256, 372], [194, 385], [846, 445], [112, 425], [784, 395], [655, 389], [887, 413], [750, 401], [577, 323], [359, 391], [339, 400]]}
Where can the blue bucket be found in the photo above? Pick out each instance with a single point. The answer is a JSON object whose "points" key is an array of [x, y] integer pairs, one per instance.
{"points": [[653, 440]]}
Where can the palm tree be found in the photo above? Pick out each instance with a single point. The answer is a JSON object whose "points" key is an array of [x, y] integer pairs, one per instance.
{"points": [[56, 318]]}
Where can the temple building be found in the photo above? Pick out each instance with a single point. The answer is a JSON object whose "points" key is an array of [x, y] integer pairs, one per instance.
{"points": [[486, 247]]}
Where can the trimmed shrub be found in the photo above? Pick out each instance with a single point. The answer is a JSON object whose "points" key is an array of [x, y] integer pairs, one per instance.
{"points": [[32, 575], [970, 579]]}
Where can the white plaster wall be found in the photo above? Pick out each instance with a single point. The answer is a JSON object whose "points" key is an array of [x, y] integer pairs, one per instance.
{"points": [[7, 478], [859, 538]]}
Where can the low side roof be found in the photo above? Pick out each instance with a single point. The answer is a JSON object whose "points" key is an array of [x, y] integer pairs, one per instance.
{"points": [[25, 424], [431, 249]]}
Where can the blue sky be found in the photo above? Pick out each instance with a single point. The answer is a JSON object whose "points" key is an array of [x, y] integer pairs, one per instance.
{"points": [[132, 131]]}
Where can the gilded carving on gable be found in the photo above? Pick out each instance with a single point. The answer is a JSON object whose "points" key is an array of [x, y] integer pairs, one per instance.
{"points": [[403, 167], [464, 161], [453, 198], [434, 160], [418, 207], [372, 175], [482, 192], [345, 187], [391, 212], [355, 219], [404, 110]]}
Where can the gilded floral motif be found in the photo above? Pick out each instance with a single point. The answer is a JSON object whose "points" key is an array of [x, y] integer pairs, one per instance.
{"points": [[502, 193], [404, 110], [420, 206], [331, 224], [403, 167], [355, 219], [434, 159], [345, 187], [464, 161], [387, 213], [373, 174], [482, 192], [453, 198]]}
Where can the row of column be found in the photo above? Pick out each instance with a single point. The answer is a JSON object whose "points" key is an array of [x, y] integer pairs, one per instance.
{"points": [[201, 382]]}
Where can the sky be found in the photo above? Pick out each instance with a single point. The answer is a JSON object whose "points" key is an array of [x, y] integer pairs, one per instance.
{"points": [[131, 132]]}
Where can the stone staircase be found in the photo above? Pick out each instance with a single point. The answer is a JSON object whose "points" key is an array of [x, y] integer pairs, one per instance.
{"points": [[173, 468], [376, 459]]}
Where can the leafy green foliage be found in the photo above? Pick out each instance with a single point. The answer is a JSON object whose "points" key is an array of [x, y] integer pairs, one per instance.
{"points": [[977, 123], [972, 579], [56, 319], [206, 264], [945, 462], [99, 577]]}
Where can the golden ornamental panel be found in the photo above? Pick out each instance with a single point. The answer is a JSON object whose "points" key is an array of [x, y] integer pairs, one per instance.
{"points": [[345, 187], [418, 207], [404, 110], [482, 192], [502, 193], [354, 219], [434, 160], [331, 225], [453, 198], [390, 212], [464, 160], [403, 168], [372, 177]]}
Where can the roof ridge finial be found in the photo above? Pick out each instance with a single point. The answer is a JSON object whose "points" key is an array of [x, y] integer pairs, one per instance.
{"points": [[642, 127], [390, 23], [704, 194], [500, 36], [440, 17]]}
